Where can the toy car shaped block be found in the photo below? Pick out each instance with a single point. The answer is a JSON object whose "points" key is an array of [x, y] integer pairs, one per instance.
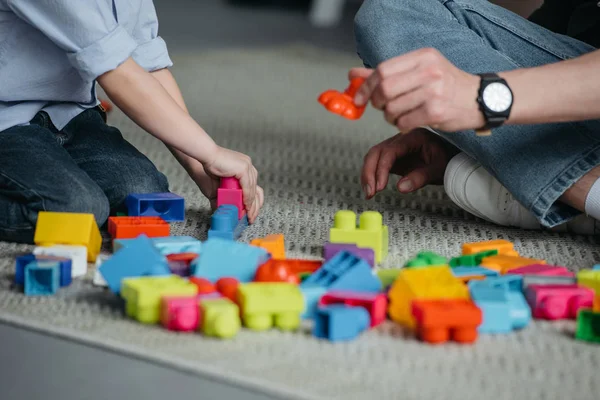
{"points": [[225, 258], [504, 247], [342, 103], [274, 244], [64, 267], [370, 233], [57, 228], [588, 326], [426, 259], [143, 295], [230, 192], [374, 303], [589, 278], [339, 322], [167, 245], [219, 317], [179, 313], [224, 223], [541, 269], [345, 271], [449, 319], [331, 249], [139, 258], [471, 260], [504, 264], [132, 227], [264, 305], [422, 284], [169, 206], [503, 310], [42, 278], [467, 274], [180, 264], [554, 302], [77, 254]]}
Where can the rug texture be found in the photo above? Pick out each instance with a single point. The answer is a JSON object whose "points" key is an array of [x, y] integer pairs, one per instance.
{"points": [[263, 102]]}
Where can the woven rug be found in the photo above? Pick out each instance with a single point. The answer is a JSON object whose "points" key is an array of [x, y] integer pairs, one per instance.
{"points": [[263, 102]]}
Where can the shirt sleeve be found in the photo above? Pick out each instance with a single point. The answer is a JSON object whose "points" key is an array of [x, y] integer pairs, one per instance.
{"points": [[86, 30], [151, 53]]}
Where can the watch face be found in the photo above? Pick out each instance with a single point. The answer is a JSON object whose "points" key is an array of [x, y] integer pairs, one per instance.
{"points": [[497, 97]]}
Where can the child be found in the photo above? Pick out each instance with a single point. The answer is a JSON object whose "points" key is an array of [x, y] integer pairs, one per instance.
{"points": [[56, 151]]}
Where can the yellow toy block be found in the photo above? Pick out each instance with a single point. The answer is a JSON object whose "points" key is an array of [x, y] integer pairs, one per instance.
{"points": [[266, 304], [504, 263], [219, 318], [422, 283], [504, 247], [54, 228], [274, 244], [370, 233], [142, 295], [590, 279]]}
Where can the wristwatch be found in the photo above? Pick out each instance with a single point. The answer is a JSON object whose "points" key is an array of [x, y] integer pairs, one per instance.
{"points": [[495, 101]]}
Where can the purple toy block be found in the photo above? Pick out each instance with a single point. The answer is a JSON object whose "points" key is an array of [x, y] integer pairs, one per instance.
{"points": [[331, 249]]}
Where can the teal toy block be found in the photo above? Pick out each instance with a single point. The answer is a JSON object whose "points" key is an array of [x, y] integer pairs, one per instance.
{"points": [[42, 278], [462, 271], [312, 295], [339, 322], [471, 260], [225, 223], [509, 283], [503, 310], [596, 267], [167, 245], [425, 259]]}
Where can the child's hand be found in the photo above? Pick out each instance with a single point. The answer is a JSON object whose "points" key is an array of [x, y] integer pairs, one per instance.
{"points": [[227, 163]]}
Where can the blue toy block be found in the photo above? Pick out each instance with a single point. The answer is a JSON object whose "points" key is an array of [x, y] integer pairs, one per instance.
{"points": [[138, 258], [473, 271], [345, 271], [512, 283], [224, 258], [225, 224], [169, 206], [312, 295], [596, 267], [503, 310], [167, 245], [64, 265], [339, 322], [42, 278], [20, 264]]}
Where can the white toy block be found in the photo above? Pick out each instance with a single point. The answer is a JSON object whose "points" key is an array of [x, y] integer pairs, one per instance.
{"points": [[77, 254]]}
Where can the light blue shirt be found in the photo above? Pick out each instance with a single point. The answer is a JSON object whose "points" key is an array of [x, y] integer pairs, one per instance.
{"points": [[52, 51]]}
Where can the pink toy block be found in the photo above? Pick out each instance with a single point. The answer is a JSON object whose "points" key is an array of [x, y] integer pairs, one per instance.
{"points": [[541, 269], [374, 303], [558, 301], [230, 192], [179, 313]]}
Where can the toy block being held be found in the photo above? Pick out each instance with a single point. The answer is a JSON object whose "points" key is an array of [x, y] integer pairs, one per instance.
{"points": [[221, 258], [265, 305], [274, 244], [471, 260], [64, 267], [139, 258], [180, 264], [375, 304], [98, 280], [230, 192], [503, 311], [219, 318], [342, 103], [56, 228], [331, 249], [166, 245], [504, 247], [132, 227], [554, 302], [179, 313], [588, 326], [143, 295], [589, 278], [77, 254], [504, 264], [345, 271], [312, 295], [541, 269], [371, 233], [426, 259], [224, 223], [339, 322], [169, 206], [450, 319], [42, 278]]}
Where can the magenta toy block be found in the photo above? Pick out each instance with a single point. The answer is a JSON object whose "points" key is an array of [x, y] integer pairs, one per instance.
{"points": [[541, 269], [331, 249], [558, 301], [230, 192], [374, 303], [179, 313]]}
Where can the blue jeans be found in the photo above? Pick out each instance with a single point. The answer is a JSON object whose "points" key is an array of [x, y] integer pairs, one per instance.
{"points": [[88, 167], [536, 163]]}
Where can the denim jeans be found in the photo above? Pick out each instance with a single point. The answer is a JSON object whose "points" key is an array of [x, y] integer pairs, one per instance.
{"points": [[87, 167], [536, 163]]}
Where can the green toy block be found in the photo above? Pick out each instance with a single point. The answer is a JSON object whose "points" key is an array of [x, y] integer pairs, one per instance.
{"points": [[304, 275], [426, 259], [219, 318], [388, 276], [472, 260], [142, 295], [588, 326]]}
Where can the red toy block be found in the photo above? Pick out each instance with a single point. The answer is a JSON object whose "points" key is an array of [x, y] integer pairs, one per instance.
{"points": [[343, 103], [374, 303], [228, 288], [230, 192], [554, 302], [441, 320], [179, 313], [132, 227], [273, 271], [541, 269], [204, 285]]}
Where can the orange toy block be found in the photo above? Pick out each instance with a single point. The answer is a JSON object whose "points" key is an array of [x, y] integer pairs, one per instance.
{"points": [[343, 103], [441, 320], [503, 263], [504, 247], [274, 244], [132, 227]]}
